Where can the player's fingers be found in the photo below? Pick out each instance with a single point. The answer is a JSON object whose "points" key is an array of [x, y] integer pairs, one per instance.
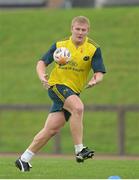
{"points": [[87, 86], [45, 85], [46, 76]]}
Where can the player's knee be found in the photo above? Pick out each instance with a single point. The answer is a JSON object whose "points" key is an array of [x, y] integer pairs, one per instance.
{"points": [[78, 109], [53, 131], [46, 134]]}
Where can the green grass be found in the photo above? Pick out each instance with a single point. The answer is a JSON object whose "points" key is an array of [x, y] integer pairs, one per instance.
{"points": [[27, 34], [65, 168]]}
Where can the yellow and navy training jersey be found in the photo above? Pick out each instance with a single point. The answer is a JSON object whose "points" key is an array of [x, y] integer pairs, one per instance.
{"points": [[74, 74]]}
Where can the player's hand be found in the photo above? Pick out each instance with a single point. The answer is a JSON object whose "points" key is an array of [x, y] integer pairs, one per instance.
{"points": [[44, 81], [91, 84], [97, 78]]}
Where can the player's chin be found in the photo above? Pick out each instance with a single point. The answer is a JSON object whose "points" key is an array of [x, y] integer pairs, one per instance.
{"points": [[80, 40]]}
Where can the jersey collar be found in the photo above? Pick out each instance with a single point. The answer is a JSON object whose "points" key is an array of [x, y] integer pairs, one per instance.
{"points": [[86, 39]]}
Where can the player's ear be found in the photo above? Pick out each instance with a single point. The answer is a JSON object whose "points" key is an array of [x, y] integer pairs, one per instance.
{"points": [[88, 29], [71, 28]]}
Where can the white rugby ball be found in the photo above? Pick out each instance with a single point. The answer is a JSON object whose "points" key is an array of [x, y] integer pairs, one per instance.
{"points": [[62, 55]]}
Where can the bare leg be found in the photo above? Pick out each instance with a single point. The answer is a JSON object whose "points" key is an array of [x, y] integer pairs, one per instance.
{"points": [[52, 126], [75, 106]]}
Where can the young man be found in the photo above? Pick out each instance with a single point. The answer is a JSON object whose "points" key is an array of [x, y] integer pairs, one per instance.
{"points": [[64, 86]]}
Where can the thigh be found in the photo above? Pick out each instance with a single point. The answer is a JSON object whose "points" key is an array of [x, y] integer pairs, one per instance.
{"points": [[55, 120], [59, 94], [73, 102]]}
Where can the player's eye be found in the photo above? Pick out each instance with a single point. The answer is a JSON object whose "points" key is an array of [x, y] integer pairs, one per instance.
{"points": [[78, 29], [84, 30]]}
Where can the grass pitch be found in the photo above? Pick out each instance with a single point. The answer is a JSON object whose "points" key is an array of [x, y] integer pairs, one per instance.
{"points": [[67, 168]]}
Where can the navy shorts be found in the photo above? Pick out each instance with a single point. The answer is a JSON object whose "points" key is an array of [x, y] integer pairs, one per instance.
{"points": [[58, 94]]}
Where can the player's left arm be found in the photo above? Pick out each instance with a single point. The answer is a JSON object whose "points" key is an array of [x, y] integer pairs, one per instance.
{"points": [[98, 68]]}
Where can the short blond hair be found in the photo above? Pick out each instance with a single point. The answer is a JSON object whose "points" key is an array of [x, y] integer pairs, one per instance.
{"points": [[81, 19]]}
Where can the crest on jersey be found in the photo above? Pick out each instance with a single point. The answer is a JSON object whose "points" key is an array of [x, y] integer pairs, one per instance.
{"points": [[86, 58]]}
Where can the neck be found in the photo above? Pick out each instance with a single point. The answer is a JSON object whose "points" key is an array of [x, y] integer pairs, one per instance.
{"points": [[76, 43]]}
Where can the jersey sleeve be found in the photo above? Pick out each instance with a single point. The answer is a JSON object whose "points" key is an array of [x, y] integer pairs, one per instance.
{"points": [[48, 56], [97, 62]]}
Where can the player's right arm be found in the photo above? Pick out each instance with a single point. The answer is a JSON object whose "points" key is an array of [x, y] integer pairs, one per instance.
{"points": [[43, 63], [41, 67]]}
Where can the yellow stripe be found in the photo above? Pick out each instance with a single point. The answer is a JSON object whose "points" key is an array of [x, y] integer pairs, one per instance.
{"points": [[54, 88]]}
